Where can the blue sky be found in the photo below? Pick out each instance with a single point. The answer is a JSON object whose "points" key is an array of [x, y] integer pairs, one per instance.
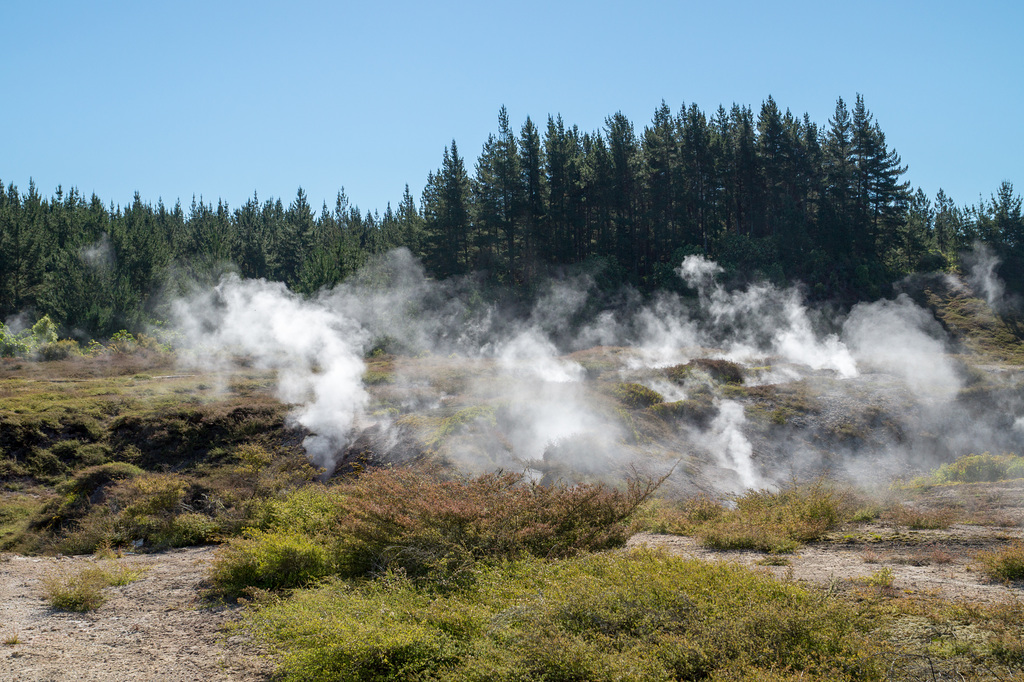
{"points": [[222, 99]]}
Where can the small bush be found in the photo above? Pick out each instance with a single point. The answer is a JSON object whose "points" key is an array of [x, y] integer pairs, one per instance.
{"points": [[721, 371], [612, 616], [699, 410], [270, 560], [189, 529], [428, 528], [123, 342], [636, 395], [82, 590], [917, 518], [1006, 565], [883, 577], [765, 520], [979, 468], [59, 350], [425, 525]]}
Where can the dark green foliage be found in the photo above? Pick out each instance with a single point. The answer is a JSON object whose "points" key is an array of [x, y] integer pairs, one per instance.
{"points": [[768, 195]]}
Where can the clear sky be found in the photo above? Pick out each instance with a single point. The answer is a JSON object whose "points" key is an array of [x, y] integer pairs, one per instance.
{"points": [[223, 99]]}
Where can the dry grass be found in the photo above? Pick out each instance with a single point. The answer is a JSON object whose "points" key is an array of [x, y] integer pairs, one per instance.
{"points": [[920, 518]]}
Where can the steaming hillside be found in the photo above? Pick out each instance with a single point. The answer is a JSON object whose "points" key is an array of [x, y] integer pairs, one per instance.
{"points": [[728, 389]]}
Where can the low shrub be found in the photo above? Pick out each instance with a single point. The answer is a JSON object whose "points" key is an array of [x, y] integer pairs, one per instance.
{"points": [[428, 528], [883, 577], [917, 518], [699, 410], [980, 468], [1006, 564], [766, 520], [722, 371], [82, 590], [425, 525], [636, 616], [59, 350], [636, 395], [270, 560]]}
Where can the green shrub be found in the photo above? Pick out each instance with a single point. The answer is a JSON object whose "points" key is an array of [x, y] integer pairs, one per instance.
{"points": [[431, 529], [270, 560], [1005, 564], [699, 410], [311, 510], [610, 616], [13, 345], [189, 529], [44, 331], [87, 481], [122, 342], [883, 577], [59, 350], [766, 520], [980, 468], [407, 519], [721, 371]]}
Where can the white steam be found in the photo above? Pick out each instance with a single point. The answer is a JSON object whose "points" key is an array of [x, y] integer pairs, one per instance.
{"points": [[99, 254], [981, 264], [763, 319], [903, 339], [728, 443], [500, 383], [315, 350]]}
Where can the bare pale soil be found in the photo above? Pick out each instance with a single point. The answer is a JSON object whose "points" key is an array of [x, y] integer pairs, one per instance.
{"points": [[156, 628]]}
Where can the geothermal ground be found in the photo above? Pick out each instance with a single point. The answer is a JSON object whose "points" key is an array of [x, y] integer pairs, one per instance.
{"points": [[160, 628], [136, 451]]}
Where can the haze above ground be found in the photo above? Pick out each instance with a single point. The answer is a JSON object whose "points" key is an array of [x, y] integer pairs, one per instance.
{"points": [[221, 100]]}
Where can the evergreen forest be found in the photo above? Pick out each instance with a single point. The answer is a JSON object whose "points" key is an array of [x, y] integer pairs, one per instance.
{"points": [[767, 195]]}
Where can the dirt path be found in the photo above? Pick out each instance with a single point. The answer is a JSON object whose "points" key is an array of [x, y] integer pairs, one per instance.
{"points": [[155, 628]]}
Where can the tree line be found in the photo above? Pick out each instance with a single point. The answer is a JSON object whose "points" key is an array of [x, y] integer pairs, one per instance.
{"points": [[771, 196]]}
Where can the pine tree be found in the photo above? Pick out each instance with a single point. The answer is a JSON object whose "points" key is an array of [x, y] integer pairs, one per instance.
{"points": [[661, 161], [536, 241], [446, 202]]}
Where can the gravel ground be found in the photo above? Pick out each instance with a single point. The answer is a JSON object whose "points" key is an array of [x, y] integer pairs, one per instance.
{"points": [[156, 628]]}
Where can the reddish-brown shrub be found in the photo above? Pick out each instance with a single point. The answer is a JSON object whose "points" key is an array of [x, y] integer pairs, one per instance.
{"points": [[424, 525]]}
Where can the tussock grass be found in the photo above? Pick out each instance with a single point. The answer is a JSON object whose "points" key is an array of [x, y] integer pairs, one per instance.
{"points": [[637, 616], [82, 590]]}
